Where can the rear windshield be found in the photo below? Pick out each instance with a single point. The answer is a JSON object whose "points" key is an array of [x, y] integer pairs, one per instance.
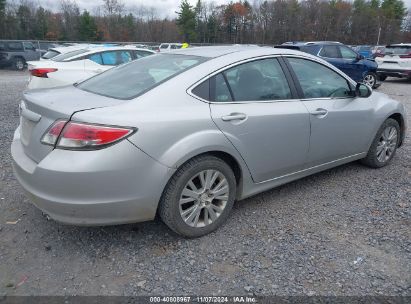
{"points": [[133, 79], [50, 54], [65, 56], [398, 50]]}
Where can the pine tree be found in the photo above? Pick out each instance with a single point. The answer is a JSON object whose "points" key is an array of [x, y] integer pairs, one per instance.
{"points": [[186, 21], [88, 28]]}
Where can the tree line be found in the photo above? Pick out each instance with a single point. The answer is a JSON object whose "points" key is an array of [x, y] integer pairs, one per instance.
{"points": [[259, 22]]}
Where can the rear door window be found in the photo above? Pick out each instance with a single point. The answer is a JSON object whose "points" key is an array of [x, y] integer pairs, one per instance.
{"points": [[311, 49], [221, 91], [258, 81], [123, 57], [330, 51], [29, 46]]}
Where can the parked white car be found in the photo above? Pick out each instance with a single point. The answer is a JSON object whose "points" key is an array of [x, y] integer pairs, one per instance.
{"points": [[80, 64], [166, 47], [395, 61]]}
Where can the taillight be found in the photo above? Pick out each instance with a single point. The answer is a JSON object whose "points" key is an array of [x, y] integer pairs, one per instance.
{"points": [[379, 55], [42, 72], [51, 136], [83, 136], [406, 56]]}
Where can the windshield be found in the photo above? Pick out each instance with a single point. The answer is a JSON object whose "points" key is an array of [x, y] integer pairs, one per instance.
{"points": [[65, 56], [398, 50], [130, 80]]}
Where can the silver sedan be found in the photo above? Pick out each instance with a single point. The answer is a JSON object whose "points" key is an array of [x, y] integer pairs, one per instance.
{"points": [[187, 133]]}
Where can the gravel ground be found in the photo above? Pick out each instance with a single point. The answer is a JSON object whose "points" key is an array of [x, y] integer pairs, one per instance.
{"points": [[346, 231]]}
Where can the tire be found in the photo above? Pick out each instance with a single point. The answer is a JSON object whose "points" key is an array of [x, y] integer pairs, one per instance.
{"points": [[382, 77], [172, 212], [376, 160], [19, 64], [371, 79]]}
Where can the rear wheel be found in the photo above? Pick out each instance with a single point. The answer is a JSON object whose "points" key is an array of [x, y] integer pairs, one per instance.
{"points": [[371, 79], [199, 197], [19, 64], [384, 146]]}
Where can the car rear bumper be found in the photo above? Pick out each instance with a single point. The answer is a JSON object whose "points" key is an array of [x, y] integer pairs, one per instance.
{"points": [[395, 72], [120, 185]]}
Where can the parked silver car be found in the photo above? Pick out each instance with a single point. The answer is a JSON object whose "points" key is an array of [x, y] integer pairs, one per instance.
{"points": [[187, 133]]}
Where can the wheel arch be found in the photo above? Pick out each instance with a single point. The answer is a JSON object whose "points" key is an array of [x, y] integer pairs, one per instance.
{"points": [[19, 57], [238, 166], [400, 119]]}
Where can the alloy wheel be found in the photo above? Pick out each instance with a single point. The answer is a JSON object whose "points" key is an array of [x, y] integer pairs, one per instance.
{"points": [[369, 79], [204, 198], [19, 64], [387, 144]]}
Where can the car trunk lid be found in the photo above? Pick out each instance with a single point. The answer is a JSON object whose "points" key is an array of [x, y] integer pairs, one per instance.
{"points": [[39, 109]]}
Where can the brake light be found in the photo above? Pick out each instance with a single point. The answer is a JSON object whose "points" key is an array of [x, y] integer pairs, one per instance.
{"points": [[76, 135], [379, 55], [42, 72], [406, 56]]}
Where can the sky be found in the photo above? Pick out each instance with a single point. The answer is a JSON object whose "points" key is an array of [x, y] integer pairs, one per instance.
{"points": [[164, 8]]}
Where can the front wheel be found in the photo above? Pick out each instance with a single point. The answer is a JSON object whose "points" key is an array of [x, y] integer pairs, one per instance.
{"points": [[384, 146], [199, 197], [371, 80]]}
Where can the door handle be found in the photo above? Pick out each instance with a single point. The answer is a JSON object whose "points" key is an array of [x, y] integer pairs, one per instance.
{"points": [[234, 116], [319, 112], [98, 71]]}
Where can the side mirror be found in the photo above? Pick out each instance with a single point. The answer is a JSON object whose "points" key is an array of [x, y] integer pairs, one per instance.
{"points": [[362, 90], [359, 57]]}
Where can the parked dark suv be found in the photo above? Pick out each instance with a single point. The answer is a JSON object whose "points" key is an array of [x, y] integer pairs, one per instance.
{"points": [[17, 53], [343, 57]]}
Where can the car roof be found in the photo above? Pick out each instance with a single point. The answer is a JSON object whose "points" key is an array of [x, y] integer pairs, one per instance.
{"points": [[218, 51]]}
